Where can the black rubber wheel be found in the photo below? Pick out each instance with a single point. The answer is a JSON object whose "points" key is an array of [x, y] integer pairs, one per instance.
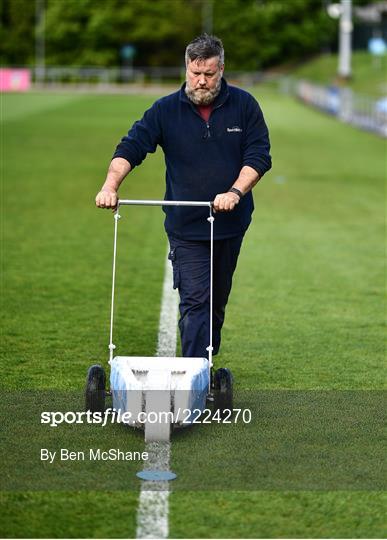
{"points": [[95, 389], [223, 394]]}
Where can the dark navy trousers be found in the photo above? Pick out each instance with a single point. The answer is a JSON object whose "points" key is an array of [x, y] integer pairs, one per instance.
{"points": [[191, 276]]}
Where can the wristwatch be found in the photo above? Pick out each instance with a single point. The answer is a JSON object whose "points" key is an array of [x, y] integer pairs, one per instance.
{"points": [[235, 190]]}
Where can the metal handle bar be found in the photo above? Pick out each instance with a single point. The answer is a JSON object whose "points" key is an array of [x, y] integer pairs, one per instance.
{"points": [[163, 203]]}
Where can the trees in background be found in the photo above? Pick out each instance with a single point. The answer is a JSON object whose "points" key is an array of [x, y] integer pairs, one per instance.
{"points": [[256, 33]]}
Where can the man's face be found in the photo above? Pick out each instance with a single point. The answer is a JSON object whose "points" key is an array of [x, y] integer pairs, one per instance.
{"points": [[203, 80]]}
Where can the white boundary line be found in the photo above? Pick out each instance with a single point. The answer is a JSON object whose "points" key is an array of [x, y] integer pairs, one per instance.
{"points": [[153, 507]]}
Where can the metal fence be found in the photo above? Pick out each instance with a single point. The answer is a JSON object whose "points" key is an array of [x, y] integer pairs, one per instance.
{"points": [[93, 74], [50, 75], [361, 111]]}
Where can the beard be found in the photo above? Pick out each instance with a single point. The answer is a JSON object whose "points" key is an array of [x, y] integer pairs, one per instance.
{"points": [[200, 96]]}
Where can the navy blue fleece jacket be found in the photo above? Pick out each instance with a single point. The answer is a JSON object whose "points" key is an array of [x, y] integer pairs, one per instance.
{"points": [[202, 159]]}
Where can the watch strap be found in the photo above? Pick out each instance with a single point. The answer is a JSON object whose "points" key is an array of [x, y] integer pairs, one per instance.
{"points": [[235, 190]]}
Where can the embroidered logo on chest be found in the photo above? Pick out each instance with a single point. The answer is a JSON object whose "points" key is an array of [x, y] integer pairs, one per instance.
{"points": [[234, 129]]}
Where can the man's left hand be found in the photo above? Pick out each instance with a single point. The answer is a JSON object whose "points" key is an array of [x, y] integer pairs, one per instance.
{"points": [[225, 202]]}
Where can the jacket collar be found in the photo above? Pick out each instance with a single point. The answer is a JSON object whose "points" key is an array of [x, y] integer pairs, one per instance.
{"points": [[219, 100]]}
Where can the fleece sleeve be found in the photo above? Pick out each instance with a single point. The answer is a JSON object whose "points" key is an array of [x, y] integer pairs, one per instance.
{"points": [[256, 148], [142, 138]]}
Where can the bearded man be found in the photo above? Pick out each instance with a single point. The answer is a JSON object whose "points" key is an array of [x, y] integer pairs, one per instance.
{"points": [[216, 147]]}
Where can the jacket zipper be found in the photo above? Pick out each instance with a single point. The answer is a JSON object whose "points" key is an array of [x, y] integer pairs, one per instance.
{"points": [[208, 133], [208, 124]]}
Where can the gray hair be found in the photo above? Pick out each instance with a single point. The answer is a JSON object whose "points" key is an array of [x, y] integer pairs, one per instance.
{"points": [[204, 47]]}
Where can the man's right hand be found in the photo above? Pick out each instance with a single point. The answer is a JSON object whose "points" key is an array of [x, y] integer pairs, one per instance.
{"points": [[107, 198]]}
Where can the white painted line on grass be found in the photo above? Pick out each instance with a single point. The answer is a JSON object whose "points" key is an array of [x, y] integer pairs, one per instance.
{"points": [[153, 508], [166, 345]]}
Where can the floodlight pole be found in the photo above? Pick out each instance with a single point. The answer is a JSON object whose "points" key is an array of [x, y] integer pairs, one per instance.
{"points": [[207, 16], [345, 39], [40, 40]]}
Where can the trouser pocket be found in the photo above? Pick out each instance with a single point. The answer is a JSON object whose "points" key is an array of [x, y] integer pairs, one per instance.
{"points": [[175, 267]]}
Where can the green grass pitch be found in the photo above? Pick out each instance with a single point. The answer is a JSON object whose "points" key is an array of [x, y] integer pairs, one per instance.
{"points": [[306, 311]]}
